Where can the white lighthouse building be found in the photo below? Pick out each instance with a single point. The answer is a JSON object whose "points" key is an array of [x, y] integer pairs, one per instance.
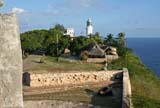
{"points": [[89, 29], [70, 32]]}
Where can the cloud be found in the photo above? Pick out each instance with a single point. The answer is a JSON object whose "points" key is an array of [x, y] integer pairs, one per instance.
{"points": [[70, 7], [72, 4], [78, 7], [82, 3], [17, 10]]}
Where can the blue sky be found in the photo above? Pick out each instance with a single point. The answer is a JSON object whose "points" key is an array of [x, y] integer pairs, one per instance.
{"points": [[139, 18]]}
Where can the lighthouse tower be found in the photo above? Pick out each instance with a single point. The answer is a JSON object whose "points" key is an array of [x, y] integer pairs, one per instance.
{"points": [[89, 29]]}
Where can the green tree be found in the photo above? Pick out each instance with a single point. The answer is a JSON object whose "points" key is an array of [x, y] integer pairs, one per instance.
{"points": [[64, 43], [121, 45], [121, 39], [32, 40], [79, 44], [51, 41], [109, 39], [97, 37], [60, 28]]}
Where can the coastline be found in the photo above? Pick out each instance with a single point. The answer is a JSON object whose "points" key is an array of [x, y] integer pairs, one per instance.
{"points": [[147, 51], [145, 84]]}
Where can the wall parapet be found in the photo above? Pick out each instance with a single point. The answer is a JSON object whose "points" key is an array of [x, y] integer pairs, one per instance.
{"points": [[58, 79], [127, 93], [100, 60], [77, 78]]}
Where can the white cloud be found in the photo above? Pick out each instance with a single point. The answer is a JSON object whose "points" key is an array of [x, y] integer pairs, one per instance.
{"points": [[85, 3], [67, 7], [17, 10], [72, 4]]}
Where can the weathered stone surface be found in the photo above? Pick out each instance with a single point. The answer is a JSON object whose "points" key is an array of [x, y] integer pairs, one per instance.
{"points": [[56, 79], [127, 93], [57, 104], [10, 63], [108, 58]]}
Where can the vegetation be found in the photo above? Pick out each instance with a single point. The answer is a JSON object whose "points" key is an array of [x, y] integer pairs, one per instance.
{"points": [[54, 43], [96, 37], [109, 39], [40, 64], [145, 84], [84, 55], [79, 44]]}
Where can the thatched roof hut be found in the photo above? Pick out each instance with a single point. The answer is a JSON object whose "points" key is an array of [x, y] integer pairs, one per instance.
{"points": [[99, 51], [95, 51], [111, 51]]}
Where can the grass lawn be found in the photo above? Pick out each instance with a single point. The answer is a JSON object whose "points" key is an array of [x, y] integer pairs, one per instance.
{"points": [[54, 64]]}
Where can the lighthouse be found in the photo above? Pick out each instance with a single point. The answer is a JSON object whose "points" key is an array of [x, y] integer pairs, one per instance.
{"points": [[89, 29]]}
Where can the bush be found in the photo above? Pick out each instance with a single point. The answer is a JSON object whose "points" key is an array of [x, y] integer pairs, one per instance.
{"points": [[84, 55]]}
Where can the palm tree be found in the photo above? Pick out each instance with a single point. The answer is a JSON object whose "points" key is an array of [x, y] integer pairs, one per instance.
{"points": [[121, 35], [109, 39], [121, 39]]}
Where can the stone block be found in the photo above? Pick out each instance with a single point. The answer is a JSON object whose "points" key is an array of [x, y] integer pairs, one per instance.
{"points": [[10, 63]]}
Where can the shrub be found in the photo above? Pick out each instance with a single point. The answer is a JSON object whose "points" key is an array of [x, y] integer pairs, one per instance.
{"points": [[84, 55]]}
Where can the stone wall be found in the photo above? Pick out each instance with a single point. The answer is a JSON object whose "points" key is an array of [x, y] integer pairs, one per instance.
{"points": [[100, 60], [10, 63], [111, 57], [126, 99], [96, 60], [55, 79], [59, 79]]}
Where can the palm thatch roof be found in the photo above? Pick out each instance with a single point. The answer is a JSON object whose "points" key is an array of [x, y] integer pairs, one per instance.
{"points": [[95, 50], [113, 49]]}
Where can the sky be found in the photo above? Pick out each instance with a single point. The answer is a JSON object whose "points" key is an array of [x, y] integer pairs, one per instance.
{"points": [[137, 18]]}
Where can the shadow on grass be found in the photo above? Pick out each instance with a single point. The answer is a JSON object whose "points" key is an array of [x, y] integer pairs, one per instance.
{"points": [[111, 99]]}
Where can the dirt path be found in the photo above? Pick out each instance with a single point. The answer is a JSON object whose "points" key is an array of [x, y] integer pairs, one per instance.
{"points": [[31, 61]]}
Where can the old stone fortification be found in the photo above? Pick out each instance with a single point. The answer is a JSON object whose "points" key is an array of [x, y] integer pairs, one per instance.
{"points": [[99, 60], [10, 63], [11, 70], [52, 79], [55, 79]]}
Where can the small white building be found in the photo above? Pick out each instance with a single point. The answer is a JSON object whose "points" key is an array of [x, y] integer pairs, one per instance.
{"points": [[70, 32], [89, 29]]}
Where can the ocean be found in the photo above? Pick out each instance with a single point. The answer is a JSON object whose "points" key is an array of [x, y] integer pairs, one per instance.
{"points": [[148, 49]]}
